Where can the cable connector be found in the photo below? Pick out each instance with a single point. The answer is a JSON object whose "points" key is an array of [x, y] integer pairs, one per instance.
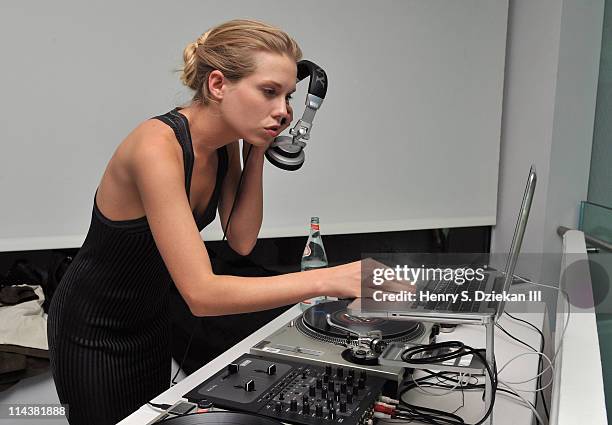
{"points": [[390, 406], [378, 407], [389, 400], [380, 415]]}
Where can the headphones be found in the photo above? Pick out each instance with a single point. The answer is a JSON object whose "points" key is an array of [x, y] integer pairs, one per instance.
{"points": [[287, 152]]}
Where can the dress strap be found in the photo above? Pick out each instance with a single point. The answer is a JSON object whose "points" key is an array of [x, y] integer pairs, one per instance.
{"points": [[179, 124]]}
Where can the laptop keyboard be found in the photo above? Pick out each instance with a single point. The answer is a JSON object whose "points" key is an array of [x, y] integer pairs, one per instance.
{"points": [[446, 287]]}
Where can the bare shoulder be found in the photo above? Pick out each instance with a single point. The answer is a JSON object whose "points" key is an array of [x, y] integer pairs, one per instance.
{"points": [[151, 140]]}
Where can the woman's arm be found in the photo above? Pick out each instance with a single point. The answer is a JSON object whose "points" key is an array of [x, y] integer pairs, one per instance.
{"points": [[156, 168], [248, 212]]}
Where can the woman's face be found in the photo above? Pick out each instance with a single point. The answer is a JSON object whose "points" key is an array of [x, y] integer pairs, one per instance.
{"points": [[257, 106]]}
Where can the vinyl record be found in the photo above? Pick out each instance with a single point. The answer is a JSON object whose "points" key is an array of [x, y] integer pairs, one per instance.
{"points": [[315, 318], [221, 418]]}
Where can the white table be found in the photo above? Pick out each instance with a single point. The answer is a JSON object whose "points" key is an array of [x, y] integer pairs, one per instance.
{"points": [[506, 411]]}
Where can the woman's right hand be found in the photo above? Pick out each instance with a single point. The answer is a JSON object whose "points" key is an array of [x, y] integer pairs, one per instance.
{"points": [[343, 281], [354, 280]]}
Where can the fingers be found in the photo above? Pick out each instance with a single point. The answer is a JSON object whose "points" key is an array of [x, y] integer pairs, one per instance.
{"points": [[376, 276]]}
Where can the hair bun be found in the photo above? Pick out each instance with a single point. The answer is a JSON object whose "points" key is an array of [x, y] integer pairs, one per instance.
{"points": [[202, 39]]}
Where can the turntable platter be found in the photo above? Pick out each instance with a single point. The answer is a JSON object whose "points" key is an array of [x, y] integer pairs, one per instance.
{"points": [[315, 320]]}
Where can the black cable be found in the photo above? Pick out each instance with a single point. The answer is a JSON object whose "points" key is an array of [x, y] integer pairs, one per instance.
{"points": [[246, 159], [540, 362], [160, 406], [515, 338], [434, 416], [184, 356], [408, 354], [449, 376]]}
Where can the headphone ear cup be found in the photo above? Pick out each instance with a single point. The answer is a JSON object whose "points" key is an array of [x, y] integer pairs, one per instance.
{"points": [[285, 160]]}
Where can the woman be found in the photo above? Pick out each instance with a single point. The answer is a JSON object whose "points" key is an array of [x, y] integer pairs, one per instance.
{"points": [[108, 322]]}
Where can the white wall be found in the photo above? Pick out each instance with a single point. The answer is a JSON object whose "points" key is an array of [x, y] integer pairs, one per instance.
{"points": [[552, 63], [413, 106]]}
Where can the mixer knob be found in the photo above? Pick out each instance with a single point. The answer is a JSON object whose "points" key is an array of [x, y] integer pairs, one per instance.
{"points": [[305, 399], [355, 391], [330, 403], [328, 369], [324, 393], [306, 409], [343, 407], [330, 386], [363, 375], [349, 398], [332, 414], [340, 372], [293, 405], [271, 369], [336, 396], [278, 407], [350, 380], [325, 378], [311, 390], [232, 368], [361, 384], [351, 373], [319, 383], [304, 375], [318, 410], [343, 388], [281, 396]]}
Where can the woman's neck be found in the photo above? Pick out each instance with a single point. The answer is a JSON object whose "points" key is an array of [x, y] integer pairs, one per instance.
{"points": [[207, 127]]}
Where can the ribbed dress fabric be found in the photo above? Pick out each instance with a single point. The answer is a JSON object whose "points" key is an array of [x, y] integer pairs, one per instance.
{"points": [[108, 324]]}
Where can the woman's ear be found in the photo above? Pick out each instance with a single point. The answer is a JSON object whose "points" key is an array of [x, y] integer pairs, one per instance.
{"points": [[216, 83]]}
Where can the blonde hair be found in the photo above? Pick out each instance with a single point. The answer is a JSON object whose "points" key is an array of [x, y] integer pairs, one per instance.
{"points": [[229, 48]]}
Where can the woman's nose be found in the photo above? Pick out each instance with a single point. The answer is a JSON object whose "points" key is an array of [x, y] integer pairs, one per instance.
{"points": [[282, 111]]}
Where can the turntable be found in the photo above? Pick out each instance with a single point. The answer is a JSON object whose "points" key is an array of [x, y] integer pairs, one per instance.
{"points": [[327, 334]]}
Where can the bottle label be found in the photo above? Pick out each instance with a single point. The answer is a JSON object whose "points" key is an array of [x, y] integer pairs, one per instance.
{"points": [[314, 227]]}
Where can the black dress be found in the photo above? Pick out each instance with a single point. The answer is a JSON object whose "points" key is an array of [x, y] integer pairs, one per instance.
{"points": [[108, 326]]}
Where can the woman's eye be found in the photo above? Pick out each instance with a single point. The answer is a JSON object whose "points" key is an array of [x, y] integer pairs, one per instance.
{"points": [[269, 92], [288, 98]]}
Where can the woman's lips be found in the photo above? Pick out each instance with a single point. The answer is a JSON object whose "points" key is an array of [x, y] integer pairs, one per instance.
{"points": [[271, 132]]}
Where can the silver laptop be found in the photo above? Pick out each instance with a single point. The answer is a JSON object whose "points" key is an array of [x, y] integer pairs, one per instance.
{"points": [[471, 311]]}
